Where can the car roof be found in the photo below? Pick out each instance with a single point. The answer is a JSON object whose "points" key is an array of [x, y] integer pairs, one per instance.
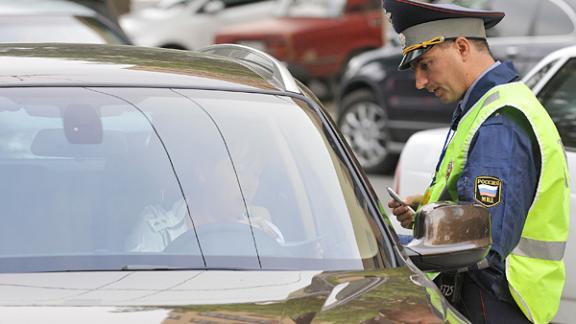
{"points": [[563, 53], [43, 7], [560, 53], [125, 66]]}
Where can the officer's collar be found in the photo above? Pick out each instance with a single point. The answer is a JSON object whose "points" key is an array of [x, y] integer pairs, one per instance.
{"points": [[497, 74]]}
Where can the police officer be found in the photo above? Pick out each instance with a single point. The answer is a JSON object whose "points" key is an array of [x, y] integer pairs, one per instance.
{"points": [[502, 151]]}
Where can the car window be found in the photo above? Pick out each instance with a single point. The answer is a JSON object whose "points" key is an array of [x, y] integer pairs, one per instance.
{"points": [[560, 100], [83, 174], [64, 29], [536, 77], [111, 179], [301, 183], [552, 20]]}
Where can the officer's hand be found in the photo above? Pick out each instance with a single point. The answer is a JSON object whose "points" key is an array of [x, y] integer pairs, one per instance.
{"points": [[402, 212]]}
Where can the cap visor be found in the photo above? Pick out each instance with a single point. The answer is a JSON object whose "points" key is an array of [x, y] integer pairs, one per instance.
{"points": [[408, 58]]}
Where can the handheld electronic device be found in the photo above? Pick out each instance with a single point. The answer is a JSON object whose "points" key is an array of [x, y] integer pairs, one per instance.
{"points": [[397, 198]]}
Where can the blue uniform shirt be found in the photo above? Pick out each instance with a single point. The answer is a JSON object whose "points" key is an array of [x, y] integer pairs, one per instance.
{"points": [[504, 149]]}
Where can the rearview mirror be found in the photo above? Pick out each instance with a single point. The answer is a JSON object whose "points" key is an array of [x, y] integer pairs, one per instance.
{"points": [[55, 143], [449, 236]]}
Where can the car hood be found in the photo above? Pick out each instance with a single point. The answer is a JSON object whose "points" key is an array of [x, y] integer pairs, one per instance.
{"points": [[275, 26], [395, 295]]}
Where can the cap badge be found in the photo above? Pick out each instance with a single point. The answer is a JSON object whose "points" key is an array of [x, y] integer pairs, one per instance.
{"points": [[388, 16], [402, 40], [449, 169]]}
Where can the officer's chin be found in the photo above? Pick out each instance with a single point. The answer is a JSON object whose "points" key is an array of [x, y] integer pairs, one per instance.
{"points": [[446, 98]]}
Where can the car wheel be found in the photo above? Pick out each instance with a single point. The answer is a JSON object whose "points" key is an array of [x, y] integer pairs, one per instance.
{"points": [[364, 124]]}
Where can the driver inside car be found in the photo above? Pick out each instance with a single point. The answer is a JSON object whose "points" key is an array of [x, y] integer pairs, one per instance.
{"points": [[163, 222]]}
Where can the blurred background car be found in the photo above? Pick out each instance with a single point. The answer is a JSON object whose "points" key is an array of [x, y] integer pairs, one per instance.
{"points": [[137, 5], [189, 24], [112, 9], [38, 21], [378, 107], [314, 38], [136, 191], [553, 80]]}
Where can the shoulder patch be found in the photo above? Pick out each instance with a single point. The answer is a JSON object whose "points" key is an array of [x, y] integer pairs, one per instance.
{"points": [[487, 190]]}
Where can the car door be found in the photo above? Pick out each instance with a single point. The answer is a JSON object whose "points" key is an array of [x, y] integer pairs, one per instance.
{"points": [[203, 21]]}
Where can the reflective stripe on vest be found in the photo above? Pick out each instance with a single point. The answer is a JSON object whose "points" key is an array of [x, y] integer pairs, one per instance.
{"points": [[553, 251], [534, 269]]}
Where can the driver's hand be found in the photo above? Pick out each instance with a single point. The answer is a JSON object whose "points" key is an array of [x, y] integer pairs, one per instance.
{"points": [[402, 212]]}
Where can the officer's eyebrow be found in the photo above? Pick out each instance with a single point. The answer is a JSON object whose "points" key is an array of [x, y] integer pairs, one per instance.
{"points": [[415, 63]]}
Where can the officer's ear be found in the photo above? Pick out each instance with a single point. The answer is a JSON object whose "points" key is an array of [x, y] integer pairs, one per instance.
{"points": [[464, 46]]}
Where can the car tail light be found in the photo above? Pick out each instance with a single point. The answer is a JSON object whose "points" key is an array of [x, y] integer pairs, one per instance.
{"points": [[277, 47]]}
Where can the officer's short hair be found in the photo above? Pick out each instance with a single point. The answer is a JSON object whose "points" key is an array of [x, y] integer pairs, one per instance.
{"points": [[480, 44]]}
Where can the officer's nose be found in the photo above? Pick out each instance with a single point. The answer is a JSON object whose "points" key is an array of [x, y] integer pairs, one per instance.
{"points": [[421, 79]]}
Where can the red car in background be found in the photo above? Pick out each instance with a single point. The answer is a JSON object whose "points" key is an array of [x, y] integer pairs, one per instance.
{"points": [[315, 38]]}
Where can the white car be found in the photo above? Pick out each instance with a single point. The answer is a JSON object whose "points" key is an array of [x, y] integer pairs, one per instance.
{"points": [[190, 24], [56, 21], [553, 80]]}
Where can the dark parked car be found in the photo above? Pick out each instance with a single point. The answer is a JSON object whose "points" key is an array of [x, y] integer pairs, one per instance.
{"points": [[38, 21], [151, 185], [379, 106]]}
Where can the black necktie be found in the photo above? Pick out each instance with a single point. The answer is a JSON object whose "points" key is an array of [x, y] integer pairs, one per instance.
{"points": [[456, 117]]}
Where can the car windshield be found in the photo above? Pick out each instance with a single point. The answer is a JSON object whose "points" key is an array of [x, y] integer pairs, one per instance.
{"points": [[311, 8], [62, 29], [121, 179]]}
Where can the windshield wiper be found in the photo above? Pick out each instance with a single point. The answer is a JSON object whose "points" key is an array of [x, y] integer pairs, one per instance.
{"points": [[145, 267]]}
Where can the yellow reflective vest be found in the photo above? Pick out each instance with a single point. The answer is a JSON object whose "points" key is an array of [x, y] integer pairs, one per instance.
{"points": [[535, 268]]}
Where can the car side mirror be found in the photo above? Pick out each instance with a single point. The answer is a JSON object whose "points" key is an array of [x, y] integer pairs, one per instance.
{"points": [[213, 7], [448, 236]]}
